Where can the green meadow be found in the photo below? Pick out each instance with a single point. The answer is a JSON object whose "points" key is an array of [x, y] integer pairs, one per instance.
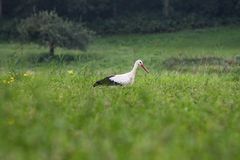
{"points": [[187, 107]]}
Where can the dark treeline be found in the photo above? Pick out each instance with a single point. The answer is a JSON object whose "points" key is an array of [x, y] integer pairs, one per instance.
{"points": [[131, 16]]}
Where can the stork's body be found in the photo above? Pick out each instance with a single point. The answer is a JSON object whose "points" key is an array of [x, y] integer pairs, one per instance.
{"points": [[121, 79]]}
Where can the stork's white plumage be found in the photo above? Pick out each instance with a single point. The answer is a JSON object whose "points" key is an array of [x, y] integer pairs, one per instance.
{"points": [[122, 79]]}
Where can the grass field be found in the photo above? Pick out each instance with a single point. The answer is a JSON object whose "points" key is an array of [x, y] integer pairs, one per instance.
{"points": [[187, 107]]}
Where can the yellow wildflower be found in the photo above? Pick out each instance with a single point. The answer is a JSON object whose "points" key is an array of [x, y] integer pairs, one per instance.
{"points": [[70, 71], [11, 80], [28, 73]]}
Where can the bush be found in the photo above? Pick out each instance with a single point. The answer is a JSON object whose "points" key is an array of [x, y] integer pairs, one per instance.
{"points": [[47, 28]]}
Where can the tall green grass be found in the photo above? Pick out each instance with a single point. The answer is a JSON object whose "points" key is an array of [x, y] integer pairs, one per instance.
{"points": [[50, 110]]}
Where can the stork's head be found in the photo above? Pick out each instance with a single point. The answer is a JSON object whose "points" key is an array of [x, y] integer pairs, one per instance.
{"points": [[140, 63]]}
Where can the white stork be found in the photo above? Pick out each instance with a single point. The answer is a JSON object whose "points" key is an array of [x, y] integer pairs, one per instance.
{"points": [[121, 79]]}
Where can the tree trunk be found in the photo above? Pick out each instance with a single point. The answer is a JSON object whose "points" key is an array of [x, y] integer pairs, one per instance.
{"points": [[115, 8], [166, 8], [51, 49], [0, 8]]}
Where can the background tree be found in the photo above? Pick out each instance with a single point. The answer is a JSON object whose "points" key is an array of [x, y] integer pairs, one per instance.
{"points": [[166, 8], [124, 16], [0, 8], [47, 28]]}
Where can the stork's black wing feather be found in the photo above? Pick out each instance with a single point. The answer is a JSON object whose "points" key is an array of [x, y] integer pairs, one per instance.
{"points": [[106, 82]]}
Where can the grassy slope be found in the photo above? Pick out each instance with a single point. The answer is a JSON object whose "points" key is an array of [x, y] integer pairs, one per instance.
{"points": [[52, 114]]}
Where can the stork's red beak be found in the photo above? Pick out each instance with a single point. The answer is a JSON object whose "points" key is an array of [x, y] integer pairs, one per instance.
{"points": [[144, 68]]}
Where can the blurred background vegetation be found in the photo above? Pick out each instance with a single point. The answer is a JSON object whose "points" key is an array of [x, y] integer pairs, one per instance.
{"points": [[124, 16], [188, 107]]}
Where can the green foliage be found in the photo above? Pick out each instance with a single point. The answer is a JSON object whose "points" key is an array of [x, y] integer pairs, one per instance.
{"points": [[51, 111], [55, 113], [148, 23], [135, 16], [47, 28]]}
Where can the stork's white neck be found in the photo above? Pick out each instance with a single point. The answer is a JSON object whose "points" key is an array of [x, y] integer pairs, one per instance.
{"points": [[134, 69]]}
